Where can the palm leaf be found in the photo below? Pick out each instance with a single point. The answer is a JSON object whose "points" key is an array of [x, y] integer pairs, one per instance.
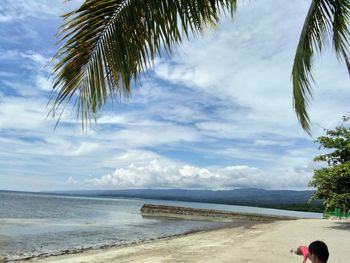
{"points": [[109, 43], [341, 32], [325, 19]]}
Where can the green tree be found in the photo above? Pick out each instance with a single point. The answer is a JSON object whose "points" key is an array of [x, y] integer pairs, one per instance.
{"points": [[333, 182], [108, 43]]}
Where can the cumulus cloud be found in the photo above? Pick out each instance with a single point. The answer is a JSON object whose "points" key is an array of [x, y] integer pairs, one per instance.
{"points": [[162, 174], [71, 181]]}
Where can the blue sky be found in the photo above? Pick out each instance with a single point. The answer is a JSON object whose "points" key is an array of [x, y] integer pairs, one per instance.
{"points": [[217, 114]]}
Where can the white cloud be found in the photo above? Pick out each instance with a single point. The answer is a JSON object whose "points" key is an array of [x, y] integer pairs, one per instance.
{"points": [[164, 174], [71, 180], [5, 18], [248, 63], [35, 57], [22, 113], [136, 157], [37, 64], [22, 9], [154, 135], [265, 143], [43, 83], [86, 148]]}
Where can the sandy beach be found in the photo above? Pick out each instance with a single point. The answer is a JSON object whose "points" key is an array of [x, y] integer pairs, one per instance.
{"points": [[259, 243]]}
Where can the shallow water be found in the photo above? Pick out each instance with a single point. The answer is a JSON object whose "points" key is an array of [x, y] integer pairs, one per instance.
{"points": [[32, 224], [35, 224]]}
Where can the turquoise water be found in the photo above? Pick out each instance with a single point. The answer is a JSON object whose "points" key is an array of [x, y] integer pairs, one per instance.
{"points": [[34, 224]]}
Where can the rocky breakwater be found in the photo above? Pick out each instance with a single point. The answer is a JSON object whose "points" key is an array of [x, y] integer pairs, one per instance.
{"points": [[150, 210]]}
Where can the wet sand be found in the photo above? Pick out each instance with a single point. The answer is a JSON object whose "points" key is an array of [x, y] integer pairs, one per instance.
{"points": [[259, 243]]}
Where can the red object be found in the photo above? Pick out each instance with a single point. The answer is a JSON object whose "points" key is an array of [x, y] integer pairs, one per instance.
{"points": [[305, 251]]}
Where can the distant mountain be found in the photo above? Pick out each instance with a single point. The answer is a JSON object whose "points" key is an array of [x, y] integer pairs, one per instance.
{"points": [[283, 199]]}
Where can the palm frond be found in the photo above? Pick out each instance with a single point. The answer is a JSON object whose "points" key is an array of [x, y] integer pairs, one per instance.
{"points": [[109, 43], [341, 11], [325, 19], [341, 34]]}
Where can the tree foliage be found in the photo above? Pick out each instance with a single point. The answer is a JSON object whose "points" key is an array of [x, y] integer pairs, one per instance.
{"points": [[109, 43], [333, 182], [325, 20]]}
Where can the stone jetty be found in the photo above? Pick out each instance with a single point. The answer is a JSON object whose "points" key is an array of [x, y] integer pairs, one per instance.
{"points": [[151, 210]]}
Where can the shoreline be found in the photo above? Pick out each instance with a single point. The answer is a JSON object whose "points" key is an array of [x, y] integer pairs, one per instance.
{"points": [[266, 242], [77, 251]]}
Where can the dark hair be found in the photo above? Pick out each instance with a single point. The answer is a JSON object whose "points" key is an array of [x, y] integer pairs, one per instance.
{"points": [[320, 250]]}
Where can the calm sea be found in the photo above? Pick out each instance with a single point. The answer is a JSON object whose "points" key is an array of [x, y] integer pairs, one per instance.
{"points": [[34, 224]]}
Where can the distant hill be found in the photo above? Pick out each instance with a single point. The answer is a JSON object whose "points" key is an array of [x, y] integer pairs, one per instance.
{"points": [[282, 199]]}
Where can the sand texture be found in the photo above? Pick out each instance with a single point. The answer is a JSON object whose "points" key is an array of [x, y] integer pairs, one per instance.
{"points": [[260, 243]]}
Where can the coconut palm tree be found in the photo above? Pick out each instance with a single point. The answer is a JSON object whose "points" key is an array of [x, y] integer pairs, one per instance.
{"points": [[109, 43]]}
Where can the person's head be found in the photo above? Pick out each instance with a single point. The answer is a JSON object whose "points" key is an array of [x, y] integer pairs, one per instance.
{"points": [[318, 252]]}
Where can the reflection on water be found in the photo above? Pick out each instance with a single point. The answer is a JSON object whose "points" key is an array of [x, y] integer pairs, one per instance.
{"points": [[33, 224]]}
